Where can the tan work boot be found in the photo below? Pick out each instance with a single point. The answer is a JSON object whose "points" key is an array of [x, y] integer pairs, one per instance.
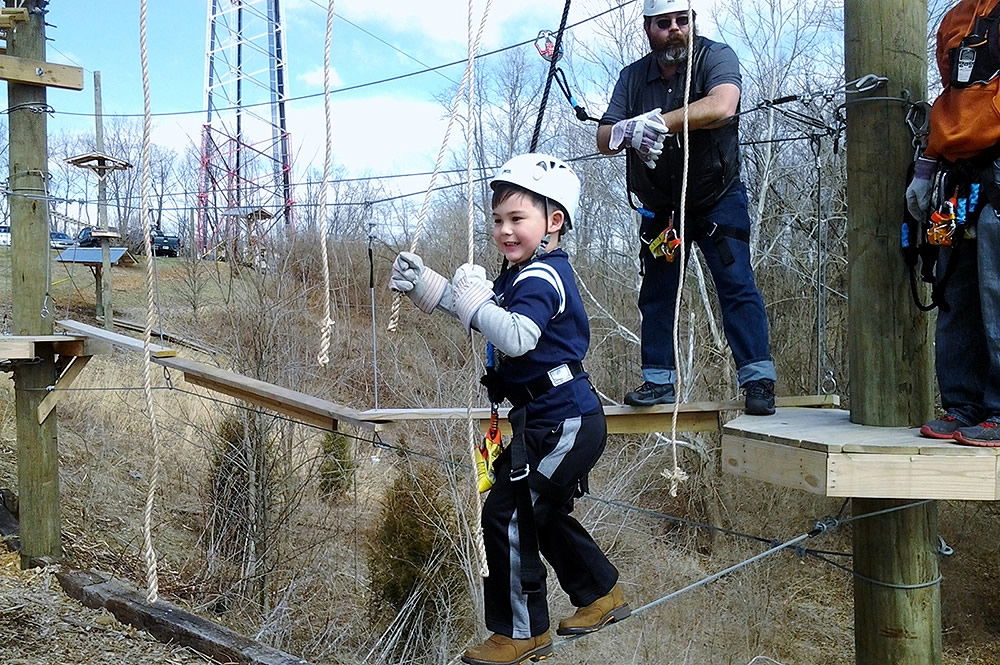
{"points": [[606, 609], [503, 650]]}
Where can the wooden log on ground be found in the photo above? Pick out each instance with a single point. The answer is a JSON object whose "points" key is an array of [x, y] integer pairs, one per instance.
{"points": [[169, 623]]}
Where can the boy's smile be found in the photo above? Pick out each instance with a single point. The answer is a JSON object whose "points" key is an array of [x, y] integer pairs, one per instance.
{"points": [[519, 226]]}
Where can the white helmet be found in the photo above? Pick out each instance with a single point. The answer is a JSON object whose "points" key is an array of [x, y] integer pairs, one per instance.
{"points": [[544, 175], [657, 7]]}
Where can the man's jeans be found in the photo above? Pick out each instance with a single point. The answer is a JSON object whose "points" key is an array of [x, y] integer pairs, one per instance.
{"points": [[967, 350], [743, 315]]}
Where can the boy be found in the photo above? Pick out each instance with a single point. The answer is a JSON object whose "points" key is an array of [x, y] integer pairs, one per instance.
{"points": [[534, 317]]}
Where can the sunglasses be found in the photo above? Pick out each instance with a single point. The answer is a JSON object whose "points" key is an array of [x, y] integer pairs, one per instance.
{"points": [[681, 21]]}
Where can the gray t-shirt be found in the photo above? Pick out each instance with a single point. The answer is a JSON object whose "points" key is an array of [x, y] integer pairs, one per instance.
{"points": [[718, 65], [714, 155]]}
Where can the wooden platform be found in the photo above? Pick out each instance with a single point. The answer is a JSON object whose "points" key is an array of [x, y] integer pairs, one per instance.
{"points": [[692, 417], [23, 347], [821, 451]]}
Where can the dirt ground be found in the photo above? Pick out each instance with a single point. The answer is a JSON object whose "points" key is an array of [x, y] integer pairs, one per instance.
{"points": [[41, 625]]}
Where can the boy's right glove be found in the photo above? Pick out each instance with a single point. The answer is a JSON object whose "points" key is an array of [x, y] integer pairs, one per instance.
{"points": [[918, 193], [645, 133], [472, 290], [424, 286]]}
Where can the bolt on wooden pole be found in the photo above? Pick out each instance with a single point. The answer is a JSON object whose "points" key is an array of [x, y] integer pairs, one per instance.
{"points": [[891, 344], [37, 451]]}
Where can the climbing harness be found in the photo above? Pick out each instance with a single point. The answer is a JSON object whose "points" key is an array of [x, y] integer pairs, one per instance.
{"points": [[958, 198]]}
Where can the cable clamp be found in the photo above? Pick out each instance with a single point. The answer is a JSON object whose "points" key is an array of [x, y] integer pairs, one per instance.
{"points": [[825, 525], [33, 107]]}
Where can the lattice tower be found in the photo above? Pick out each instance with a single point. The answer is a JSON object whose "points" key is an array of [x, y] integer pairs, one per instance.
{"points": [[245, 190]]}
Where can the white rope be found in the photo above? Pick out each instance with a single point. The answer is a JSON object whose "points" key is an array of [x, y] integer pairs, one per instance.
{"points": [[326, 325], [677, 475], [149, 554], [442, 153], [470, 136]]}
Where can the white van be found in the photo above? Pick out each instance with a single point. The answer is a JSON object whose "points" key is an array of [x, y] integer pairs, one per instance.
{"points": [[4, 236]]}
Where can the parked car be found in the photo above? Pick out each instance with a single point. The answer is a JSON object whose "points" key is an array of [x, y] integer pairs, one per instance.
{"points": [[164, 245], [58, 240], [84, 238], [4, 236]]}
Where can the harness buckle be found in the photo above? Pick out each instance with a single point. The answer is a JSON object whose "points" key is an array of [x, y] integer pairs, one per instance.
{"points": [[520, 474]]}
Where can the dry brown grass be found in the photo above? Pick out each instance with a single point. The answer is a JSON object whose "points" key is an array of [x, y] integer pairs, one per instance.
{"points": [[790, 610]]}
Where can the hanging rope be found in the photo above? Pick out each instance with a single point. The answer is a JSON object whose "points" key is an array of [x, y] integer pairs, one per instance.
{"points": [[149, 554], [418, 233], [470, 136], [548, 80], [326, 325], [677, 475]]}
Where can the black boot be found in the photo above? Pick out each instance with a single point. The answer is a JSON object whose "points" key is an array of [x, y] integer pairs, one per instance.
{"points": [[759, 397]]}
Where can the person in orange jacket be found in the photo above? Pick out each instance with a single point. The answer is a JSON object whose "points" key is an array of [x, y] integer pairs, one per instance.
{"points": [[960, 168]]}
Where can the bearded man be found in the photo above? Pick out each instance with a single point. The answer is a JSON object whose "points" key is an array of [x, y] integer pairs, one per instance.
{"points": [[646, 118]]}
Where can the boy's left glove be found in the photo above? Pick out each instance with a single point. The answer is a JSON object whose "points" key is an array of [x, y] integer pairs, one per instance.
{"points": [[472, 290], [424, 286]]}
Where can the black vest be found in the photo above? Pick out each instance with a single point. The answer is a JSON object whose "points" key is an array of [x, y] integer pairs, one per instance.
{"points": [[714, 155]]}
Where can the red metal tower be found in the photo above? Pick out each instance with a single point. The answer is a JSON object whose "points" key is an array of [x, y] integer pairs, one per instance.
{"points": [[245, 189]]}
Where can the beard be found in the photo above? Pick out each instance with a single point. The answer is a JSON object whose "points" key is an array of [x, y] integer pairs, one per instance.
{"points": [[669, 51], [671, 54]]}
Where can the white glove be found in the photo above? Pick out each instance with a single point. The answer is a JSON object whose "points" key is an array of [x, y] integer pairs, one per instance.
{"points": [[918, 193], [424, 286], [645, 134], [472, 290]]}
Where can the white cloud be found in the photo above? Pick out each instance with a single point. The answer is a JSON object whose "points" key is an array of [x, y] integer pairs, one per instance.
{"points": [[379, 134], [314, 78]]}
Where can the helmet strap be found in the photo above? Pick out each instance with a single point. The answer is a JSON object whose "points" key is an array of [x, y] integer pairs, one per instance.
{"points": [[542, 248]]}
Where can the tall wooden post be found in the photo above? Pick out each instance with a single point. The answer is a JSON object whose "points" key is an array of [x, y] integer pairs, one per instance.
{"points": [[37, 453], [103, 276], [890, 354]]}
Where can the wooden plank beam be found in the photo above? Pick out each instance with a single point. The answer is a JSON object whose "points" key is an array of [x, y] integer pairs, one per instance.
{"points": [[20, 348], [36, 72], [786, 466], [313, 410], [53, 398], [116, 339], [692, 416], [912, 476]]}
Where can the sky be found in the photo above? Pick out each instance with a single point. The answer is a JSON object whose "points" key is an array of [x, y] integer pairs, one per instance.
{"points": [[389, 128]]}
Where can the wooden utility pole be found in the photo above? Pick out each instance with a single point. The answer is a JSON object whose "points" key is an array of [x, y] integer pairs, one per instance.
{"points": [[37, 451], [104, 307], [890, 354]]}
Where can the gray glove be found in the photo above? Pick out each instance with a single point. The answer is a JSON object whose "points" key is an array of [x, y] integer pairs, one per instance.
{"points": [[472, 290], [424, 286], [644, 133], [918, 193]]}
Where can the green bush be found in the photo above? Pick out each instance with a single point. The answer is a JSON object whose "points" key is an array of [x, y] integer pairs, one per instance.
{"points": [[336, 470], [414, 570]]}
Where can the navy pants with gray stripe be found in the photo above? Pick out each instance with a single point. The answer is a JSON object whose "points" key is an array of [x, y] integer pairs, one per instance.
{"points": [[559, 457]]}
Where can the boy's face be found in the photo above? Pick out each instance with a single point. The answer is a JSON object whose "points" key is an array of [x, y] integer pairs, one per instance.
{"points": [[519, 226]]}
